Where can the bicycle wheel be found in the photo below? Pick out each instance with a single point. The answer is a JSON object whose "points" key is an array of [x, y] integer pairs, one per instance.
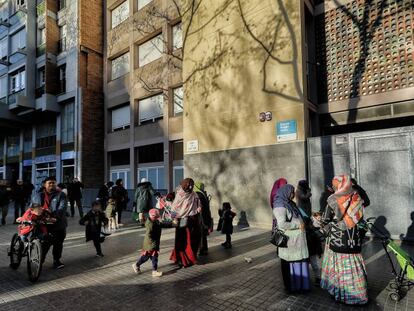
{"points": [[34, 260], [16, 251]]}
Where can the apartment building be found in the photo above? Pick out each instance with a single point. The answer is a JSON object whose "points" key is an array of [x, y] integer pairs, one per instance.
{"points": [[51, 106], [143, 92], [271, 81]]}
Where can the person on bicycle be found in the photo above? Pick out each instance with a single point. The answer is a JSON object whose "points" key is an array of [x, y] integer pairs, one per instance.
{"points": [[50, 198], [35, 214]]}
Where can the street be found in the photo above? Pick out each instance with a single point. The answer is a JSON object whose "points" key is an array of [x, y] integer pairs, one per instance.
{"points": [[223, 280]]}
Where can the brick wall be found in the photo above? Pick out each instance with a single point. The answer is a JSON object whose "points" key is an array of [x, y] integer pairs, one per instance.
{"points": [[90, 80], [52, 38]]}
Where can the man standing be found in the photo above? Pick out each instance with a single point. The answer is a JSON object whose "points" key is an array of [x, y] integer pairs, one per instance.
{"points": [[120, 195], [207, 223], [143, 199], [75, 196], [4, 200], [50, 198], [18, 196], [103, 194]]}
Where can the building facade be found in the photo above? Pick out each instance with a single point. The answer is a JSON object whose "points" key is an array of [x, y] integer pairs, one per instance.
{"points": [[143, 92], [258, 79], [271, 74], [51, 90]]}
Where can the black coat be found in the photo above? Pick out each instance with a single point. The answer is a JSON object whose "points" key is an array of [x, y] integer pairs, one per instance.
{"points": [[303, 200], [75, 190], [227, 217], [120, 195], [18, 193], [4, 196], [103, 193], [205, 209], [95, 221]]}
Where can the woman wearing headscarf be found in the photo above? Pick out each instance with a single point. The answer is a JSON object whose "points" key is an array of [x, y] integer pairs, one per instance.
{"points": [[343, 269], [279, 183], [186, 208], [294, 257], [303, 195]]}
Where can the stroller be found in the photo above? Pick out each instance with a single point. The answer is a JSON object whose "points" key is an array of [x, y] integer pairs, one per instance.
{"points": [[404, 274]]}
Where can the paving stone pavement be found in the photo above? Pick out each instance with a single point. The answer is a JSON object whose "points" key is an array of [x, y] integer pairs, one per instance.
{"points": [[221, 281]]}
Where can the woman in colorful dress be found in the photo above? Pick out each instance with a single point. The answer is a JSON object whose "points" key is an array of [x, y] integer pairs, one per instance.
{"points": [[186, 209], [343, 270], [295, 257]]}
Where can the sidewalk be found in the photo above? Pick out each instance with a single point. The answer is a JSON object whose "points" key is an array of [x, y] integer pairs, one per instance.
{"points": [[221, 281]]}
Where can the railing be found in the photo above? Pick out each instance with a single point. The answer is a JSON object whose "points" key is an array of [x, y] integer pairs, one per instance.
{"points": [[39, 91], [41, 49], [41, 8], [3, 100], [62, 45], [13, 97]]}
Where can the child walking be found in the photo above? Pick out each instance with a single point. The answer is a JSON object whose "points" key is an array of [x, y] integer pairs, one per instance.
{"points": [[227, 224], [94, 220], [110, 213], [151, 245]]}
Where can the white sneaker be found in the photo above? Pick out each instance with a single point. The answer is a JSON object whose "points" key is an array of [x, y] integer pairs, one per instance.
{"points": [[156, 273], [137, 270]]}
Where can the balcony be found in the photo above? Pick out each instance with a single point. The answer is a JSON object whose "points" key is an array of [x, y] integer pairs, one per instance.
{"points": [[39, 92], [46, 102], [19, 102], [40, 50]]}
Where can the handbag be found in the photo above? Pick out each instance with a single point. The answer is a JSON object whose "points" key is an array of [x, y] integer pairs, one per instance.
{"points": [[279, 238]]}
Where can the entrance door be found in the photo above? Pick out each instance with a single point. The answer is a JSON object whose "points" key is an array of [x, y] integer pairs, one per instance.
{"points": [[381, 162]]}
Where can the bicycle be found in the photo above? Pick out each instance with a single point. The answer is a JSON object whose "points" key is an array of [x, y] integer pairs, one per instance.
{"points": [[32, 248]]}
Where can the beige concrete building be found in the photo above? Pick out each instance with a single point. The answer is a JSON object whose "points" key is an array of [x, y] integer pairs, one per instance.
{"points": [[143, 92], [318, 68]]}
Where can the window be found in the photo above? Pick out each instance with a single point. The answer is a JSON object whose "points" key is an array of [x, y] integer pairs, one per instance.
{"points": [[4, 48], [124, 174], [178, 175], [4, 12], [13, 146], [121, 118], [62, 38], [42, 76], [142, 3], [62, 79], [120, 66], [178, 101], [3, 86], [150, 50], [68, 122], [41, 36], [27, 140], [46, 135], [18, 41], [177, 32], [18, 81], [120, 13], [16, 4], [62, 4], [150, 108], [155, 175]]}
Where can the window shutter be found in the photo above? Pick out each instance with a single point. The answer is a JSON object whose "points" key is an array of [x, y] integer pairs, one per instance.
{"points": [[121, 117]]}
